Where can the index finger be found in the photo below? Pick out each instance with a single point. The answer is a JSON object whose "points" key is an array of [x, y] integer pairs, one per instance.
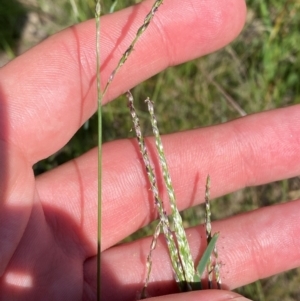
{"points": [[49, 92]]}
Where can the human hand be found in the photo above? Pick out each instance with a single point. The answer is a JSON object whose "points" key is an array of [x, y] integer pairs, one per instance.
{"points": [[48, 224]]}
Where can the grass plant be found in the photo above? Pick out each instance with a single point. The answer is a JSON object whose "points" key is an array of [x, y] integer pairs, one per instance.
{"points": [[187, 277], [178, 268], [183, 246]]}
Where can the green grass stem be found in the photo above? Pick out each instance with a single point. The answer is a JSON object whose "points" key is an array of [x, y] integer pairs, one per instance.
{"points": [[99, 98]]}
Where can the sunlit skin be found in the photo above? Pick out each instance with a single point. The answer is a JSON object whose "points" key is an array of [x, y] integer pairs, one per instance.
{"points": [[48, 224]]}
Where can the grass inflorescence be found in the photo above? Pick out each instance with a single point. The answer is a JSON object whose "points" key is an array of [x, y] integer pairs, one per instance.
{"points": [[185, 273], [129, 50], [164, 221], [183, 246]]}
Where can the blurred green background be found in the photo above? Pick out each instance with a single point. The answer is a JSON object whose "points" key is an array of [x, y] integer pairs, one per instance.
{"points": [[259, 71]]}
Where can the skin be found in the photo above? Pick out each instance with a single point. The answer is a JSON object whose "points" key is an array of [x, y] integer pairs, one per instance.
{"points": [[48, 224]]}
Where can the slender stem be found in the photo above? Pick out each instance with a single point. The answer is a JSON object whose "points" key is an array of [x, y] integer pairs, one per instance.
{"points": [[113, 6], [99, 98]]}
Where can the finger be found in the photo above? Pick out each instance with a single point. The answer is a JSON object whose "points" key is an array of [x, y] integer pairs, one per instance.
{"points": [[213, 295], [249, 151], [72, 190], [48, 93], [90, 289], [251, 246]]}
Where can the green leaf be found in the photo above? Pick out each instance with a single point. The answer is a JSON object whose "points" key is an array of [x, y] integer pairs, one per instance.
{"points": [[205, 257]]}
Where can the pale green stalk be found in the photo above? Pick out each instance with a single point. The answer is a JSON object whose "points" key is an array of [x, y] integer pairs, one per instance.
{"points": [[183, 246], [176, 263], [140, 31], [99, 98], [113, 6], [75, 10]]}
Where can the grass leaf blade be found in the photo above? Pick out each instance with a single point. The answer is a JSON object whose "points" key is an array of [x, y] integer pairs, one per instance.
{"points": [[206, 255]]}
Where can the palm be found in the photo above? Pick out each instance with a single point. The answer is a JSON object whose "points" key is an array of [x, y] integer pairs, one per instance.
{"points": [[46, 247], [48, 224]]}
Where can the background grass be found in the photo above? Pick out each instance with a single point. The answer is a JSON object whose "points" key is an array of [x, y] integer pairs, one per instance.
{"points": [[259, 71]]}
